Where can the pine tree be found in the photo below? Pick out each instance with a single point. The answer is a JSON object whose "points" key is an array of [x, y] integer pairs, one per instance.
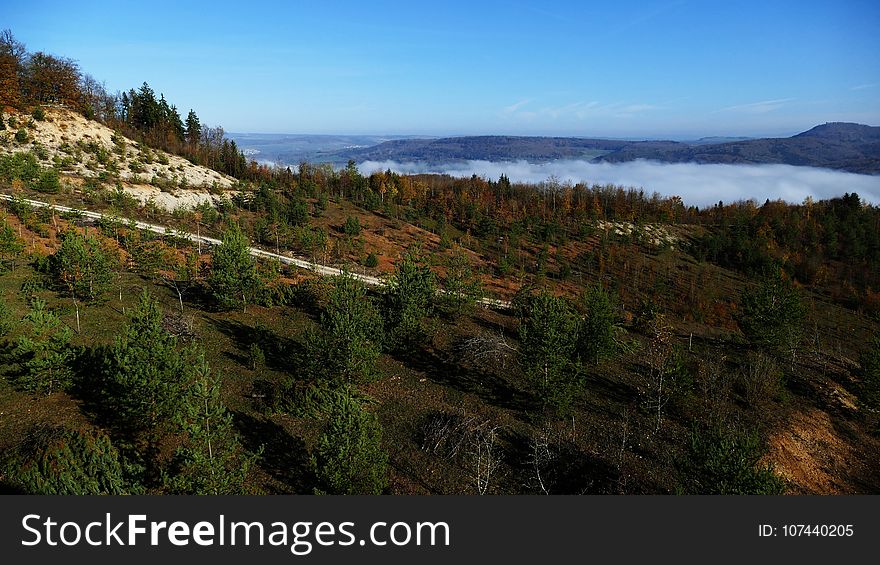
{"points": [[82, 268], [409, 298], [597, 331], [547, 331], [193, 132], [772, 314], [462, 286], [45, 353], [349, 458], [10, 246], [233, 277], [351, 333], [69, 462], [144, 371], [211, 460]]}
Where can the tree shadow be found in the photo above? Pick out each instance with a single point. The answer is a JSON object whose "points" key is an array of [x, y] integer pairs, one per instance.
{"points": [[284, 456], [569, 470], [281, 353], [488, 386]]}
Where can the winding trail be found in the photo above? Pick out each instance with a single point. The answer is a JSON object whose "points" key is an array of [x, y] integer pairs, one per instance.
{"points": [[254, 251]]}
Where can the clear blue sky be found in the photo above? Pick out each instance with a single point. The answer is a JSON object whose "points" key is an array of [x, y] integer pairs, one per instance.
{"points": [[611, 68]]}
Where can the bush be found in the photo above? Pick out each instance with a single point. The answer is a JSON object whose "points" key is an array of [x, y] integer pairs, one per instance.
{"points": [[38, 114], [371, 261], [352, 227], [21, 136], [349, 458], [68, 462], [725, 461]]}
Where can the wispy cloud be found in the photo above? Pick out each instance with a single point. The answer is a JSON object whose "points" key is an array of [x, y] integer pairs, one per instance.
{"points": [[863, 86], [515, 106], [701, 185], [761, 107], [579, 110]]}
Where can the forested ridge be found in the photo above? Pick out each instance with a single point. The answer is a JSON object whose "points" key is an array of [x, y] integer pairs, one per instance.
{"points": [[651, 346]]}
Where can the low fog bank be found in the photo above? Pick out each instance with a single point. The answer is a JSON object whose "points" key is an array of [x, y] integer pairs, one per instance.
{"points": [[701, 185]]}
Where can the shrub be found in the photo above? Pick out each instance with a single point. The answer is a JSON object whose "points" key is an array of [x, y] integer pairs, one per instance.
{"points": [[21, 136], [371, 261], [68, 462], [726, 461], [349, 458], [38, 114], [352, 227]]}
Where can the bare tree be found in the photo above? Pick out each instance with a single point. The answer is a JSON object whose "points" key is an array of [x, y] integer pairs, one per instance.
{"points": [[487, 347]]}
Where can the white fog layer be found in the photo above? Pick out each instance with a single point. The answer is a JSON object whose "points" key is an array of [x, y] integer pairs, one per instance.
{"points": [[696, 184]]}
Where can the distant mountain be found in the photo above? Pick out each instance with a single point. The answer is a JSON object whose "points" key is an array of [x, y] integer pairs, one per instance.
{"points": [[291, 149], [485, 148], [849, 147], [843, 146]]}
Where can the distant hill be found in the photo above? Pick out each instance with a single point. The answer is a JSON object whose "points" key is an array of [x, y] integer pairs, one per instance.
{"points": [[843, 146], [848, 147], [487, 148]]}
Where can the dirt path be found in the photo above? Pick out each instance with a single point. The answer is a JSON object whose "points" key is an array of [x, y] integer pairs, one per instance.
{"points": [[254, 251]]}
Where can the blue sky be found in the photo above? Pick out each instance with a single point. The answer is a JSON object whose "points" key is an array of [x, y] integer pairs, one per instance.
{"points": [[620, 69]]}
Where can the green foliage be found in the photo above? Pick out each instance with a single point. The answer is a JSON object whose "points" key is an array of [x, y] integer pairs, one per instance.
{"points": [[44, 354], [256, 357], [10, 247], [462, 286], [21, 135], [211, 460], [348, 458], [725, 461], [81, 266], [68, 462], [233, 277], [371, 262], [38, 114], [352, 227], [548, 333], [597, 333], [297, 212], [772, 314], [870, 361], [351, 333], [6, 320], [48, 182], [143, 372], [408, 299]]}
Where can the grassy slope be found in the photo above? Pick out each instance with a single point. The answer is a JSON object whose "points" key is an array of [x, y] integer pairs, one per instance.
{"points": [[816, 434]]}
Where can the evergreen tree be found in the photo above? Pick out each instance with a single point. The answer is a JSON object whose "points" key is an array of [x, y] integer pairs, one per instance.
{"points": [[211, 460], [409, 297], [144, 371], [233, 277], [193, 132], [45, 353], [870, 361], [725, 461], [351, 333], [349, 458], [82, 268], [547, 331], [10, 246], [462, 286], [68, 462], [772, 314], [597, 332]]}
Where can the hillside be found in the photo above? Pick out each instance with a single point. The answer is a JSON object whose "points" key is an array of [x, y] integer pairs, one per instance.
{"points": [[683, 373], [848, 147], [87, 150]]}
